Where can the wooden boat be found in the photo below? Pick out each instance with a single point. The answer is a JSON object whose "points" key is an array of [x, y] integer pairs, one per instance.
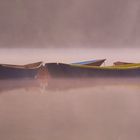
{"points": [[8, 71], [59, 70], [97, 62]]}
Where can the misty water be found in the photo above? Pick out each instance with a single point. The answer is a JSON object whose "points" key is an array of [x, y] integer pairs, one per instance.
{"points": [[105, 109]]}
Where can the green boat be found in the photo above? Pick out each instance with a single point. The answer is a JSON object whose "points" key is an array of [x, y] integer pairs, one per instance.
{"points": [[60, 70]]}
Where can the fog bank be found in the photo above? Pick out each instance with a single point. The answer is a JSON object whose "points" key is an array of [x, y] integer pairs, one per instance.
{"points": [[48, 23]]}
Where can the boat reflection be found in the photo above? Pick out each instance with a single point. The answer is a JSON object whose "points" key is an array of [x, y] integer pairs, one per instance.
{"points": [[8, 85], [66, 84], [53, 84]]}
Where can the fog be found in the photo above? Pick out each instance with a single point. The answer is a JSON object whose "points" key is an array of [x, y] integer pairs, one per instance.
{"points": [[77, 109], [99, 111], [52, 23], [68, 55], [69, 31]]}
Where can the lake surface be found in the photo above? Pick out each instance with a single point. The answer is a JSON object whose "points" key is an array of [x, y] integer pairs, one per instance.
{"points": [[107, 110]]}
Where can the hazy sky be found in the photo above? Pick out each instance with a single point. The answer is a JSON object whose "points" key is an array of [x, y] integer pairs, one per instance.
{"points": [[67, 23]]}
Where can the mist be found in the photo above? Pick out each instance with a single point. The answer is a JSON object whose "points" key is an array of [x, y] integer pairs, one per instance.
{"points": [[53, 109], [99, 112], [52, 23], [68, 55]]}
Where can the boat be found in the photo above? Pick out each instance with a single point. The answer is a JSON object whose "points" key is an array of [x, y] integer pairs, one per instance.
{"points": [[97, 62], [118, 63], [8, 71], [60, 70], [127, 65]]}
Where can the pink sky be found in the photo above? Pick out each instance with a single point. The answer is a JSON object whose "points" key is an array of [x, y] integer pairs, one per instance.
{"points": [[42, 23]]}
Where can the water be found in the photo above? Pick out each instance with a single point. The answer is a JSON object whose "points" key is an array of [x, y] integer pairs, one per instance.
{"points": [[74, 111], [101, 112]]}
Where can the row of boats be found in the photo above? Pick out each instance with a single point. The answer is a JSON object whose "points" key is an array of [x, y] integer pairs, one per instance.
{"points": [[88, 69]]}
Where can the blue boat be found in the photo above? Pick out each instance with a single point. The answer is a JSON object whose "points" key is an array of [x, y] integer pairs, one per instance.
{"points": [[97, 62]]}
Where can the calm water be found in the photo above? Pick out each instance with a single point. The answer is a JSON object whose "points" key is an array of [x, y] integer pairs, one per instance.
{"points": [[106, 110]]}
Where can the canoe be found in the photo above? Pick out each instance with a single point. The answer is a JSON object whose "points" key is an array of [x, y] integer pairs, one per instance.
{"points": [[97, 62], [60, 70], [8, 71], [127, 65], [118, 63]]}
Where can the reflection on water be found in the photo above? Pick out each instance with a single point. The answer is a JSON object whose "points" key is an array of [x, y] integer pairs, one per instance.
{"points": [[70, 110]]}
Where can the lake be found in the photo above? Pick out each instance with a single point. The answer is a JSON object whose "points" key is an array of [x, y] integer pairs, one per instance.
{"points": [[69, 110]]}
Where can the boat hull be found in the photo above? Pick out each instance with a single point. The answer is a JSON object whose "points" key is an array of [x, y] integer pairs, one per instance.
{"points": [[98, 62], [71, 71], [12, 73], [20, 71]]}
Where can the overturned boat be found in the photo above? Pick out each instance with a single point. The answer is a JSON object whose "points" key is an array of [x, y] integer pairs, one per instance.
{"points": [[8, 71], [60, 70]]}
